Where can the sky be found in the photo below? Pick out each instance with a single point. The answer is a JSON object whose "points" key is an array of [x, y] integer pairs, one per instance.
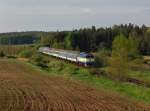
{"points": [[52, 15]]}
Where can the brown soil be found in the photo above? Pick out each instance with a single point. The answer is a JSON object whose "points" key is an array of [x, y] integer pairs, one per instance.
{"points": [[24, 89]]}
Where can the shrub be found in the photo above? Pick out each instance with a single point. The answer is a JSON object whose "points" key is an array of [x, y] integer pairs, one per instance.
{"points": [[56, 65], [25, 54], [39, 60], [101, 58], [96, 72]]}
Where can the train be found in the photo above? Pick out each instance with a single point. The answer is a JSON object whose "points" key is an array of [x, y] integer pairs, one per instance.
{"points": [[81, 58]]}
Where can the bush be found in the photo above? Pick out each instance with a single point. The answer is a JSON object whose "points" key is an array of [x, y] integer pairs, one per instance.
{"points": [[101, 58], [56, 65], [39, 60], [25, 54], [96, 72], [72, 70]]}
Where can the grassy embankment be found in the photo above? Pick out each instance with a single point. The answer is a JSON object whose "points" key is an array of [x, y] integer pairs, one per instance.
{"points": [[139, 93]]}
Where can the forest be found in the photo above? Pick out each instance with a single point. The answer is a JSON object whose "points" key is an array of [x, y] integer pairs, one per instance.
{"points": [[18, 38], [87, 39]]}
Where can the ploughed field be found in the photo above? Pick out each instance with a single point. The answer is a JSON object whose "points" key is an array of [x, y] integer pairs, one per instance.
{"points": [[24, 88]]}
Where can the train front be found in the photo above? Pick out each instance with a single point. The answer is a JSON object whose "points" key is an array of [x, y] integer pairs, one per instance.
{"points": [[86, 59]]}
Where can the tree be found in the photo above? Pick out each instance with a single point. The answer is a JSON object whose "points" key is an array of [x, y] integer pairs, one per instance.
{"points": [[68, 41], [122, 49], [133, 52], [47, 40], [120, 46], [86, 39], [118, 68]]}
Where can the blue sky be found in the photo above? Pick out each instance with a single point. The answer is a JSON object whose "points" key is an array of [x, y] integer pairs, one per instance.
{"points": [[51, 15]]}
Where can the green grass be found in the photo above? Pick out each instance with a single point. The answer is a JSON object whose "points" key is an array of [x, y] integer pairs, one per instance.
{"points": [[141, 75]]}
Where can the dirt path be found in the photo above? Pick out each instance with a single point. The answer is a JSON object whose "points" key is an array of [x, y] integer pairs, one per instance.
{"points": [[25, 89]]}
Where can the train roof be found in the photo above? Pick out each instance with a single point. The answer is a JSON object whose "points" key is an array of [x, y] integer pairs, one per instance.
{"points": [[69, 52], [72, 54], [65, 51]]}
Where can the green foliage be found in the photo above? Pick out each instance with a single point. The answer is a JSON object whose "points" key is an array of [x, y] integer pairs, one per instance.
{"points": [[125, 47], [142, 75], [120, 46], [97, 72], [101, 58], [123, 51], [68, 41], [38, 60], [133, 48], [58, 45], [55, 66], [145, 44], [86, 39], [25, 53], [47, 40], [118, 68], [14, 39]]}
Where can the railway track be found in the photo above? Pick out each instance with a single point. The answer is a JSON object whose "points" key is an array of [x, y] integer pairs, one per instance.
{"points": [[25, 89]]}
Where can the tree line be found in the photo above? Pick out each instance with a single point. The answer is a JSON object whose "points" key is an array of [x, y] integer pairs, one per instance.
{"points": [[94, 39], [87, 39], [19, 38]]}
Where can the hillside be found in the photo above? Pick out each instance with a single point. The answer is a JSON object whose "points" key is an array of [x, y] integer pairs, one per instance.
{"points": [[22, 87]]}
